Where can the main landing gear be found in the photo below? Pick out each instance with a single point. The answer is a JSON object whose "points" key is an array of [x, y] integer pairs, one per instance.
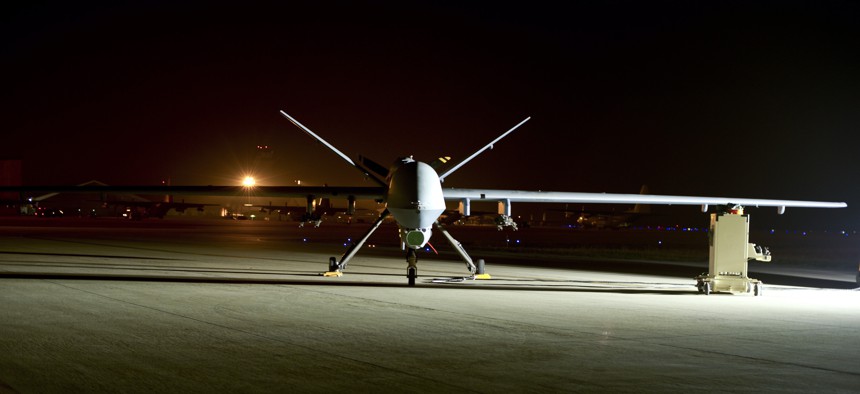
{"points": [[477, 272], [335, 267]]}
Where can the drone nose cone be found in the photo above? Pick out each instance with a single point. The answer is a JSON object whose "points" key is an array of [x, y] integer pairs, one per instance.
{"points": [[415, 195]]}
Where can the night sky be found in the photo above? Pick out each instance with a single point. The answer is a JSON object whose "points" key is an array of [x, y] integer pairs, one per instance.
{"points": [[747, 99]]}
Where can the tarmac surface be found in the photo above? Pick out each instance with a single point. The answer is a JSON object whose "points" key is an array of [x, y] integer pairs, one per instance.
{"points": [[239, 306]]}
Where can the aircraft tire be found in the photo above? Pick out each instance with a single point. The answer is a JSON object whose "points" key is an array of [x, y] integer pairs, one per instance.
{"points": [[411, 274], [332, 264]]}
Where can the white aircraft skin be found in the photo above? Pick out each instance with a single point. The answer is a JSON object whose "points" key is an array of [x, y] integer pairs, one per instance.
{"points": [[415, 200], [415, 197], [412, 193], [611, 198]]}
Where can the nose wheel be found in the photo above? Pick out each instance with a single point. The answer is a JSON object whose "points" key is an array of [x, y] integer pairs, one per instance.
{"points": [[411, 274], [412, 269]]}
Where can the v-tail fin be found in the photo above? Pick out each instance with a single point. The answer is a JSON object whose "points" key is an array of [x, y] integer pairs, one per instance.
{"points": [[331, 147], [488, 146]]}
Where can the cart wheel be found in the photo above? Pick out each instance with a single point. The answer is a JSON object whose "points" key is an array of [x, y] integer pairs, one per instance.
{"points": [[707, 288], [759, 289]]}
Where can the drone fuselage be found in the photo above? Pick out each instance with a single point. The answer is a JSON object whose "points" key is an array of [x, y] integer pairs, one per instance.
{"points": [[415, 199]]}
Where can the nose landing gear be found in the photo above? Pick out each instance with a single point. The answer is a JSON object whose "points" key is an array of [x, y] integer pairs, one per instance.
{"points": [[412, 268]]}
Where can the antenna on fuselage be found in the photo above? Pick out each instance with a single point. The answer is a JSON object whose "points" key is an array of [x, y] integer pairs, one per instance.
{"points": [[488, 146], [346, 158]]}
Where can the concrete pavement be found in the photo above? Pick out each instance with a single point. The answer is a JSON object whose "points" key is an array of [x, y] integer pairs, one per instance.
{"points": [[237, 309]]}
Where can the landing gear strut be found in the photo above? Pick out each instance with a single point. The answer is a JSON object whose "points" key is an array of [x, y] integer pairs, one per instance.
{"points": [[477, 272], [412, 268], [335, 267]]}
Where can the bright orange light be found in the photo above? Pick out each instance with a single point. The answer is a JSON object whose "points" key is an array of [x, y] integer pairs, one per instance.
{"points": [[249, 181]]}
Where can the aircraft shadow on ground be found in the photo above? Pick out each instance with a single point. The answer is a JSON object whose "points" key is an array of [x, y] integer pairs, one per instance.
{"points": [[424, 283], [787, 280], [680, 271]]}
